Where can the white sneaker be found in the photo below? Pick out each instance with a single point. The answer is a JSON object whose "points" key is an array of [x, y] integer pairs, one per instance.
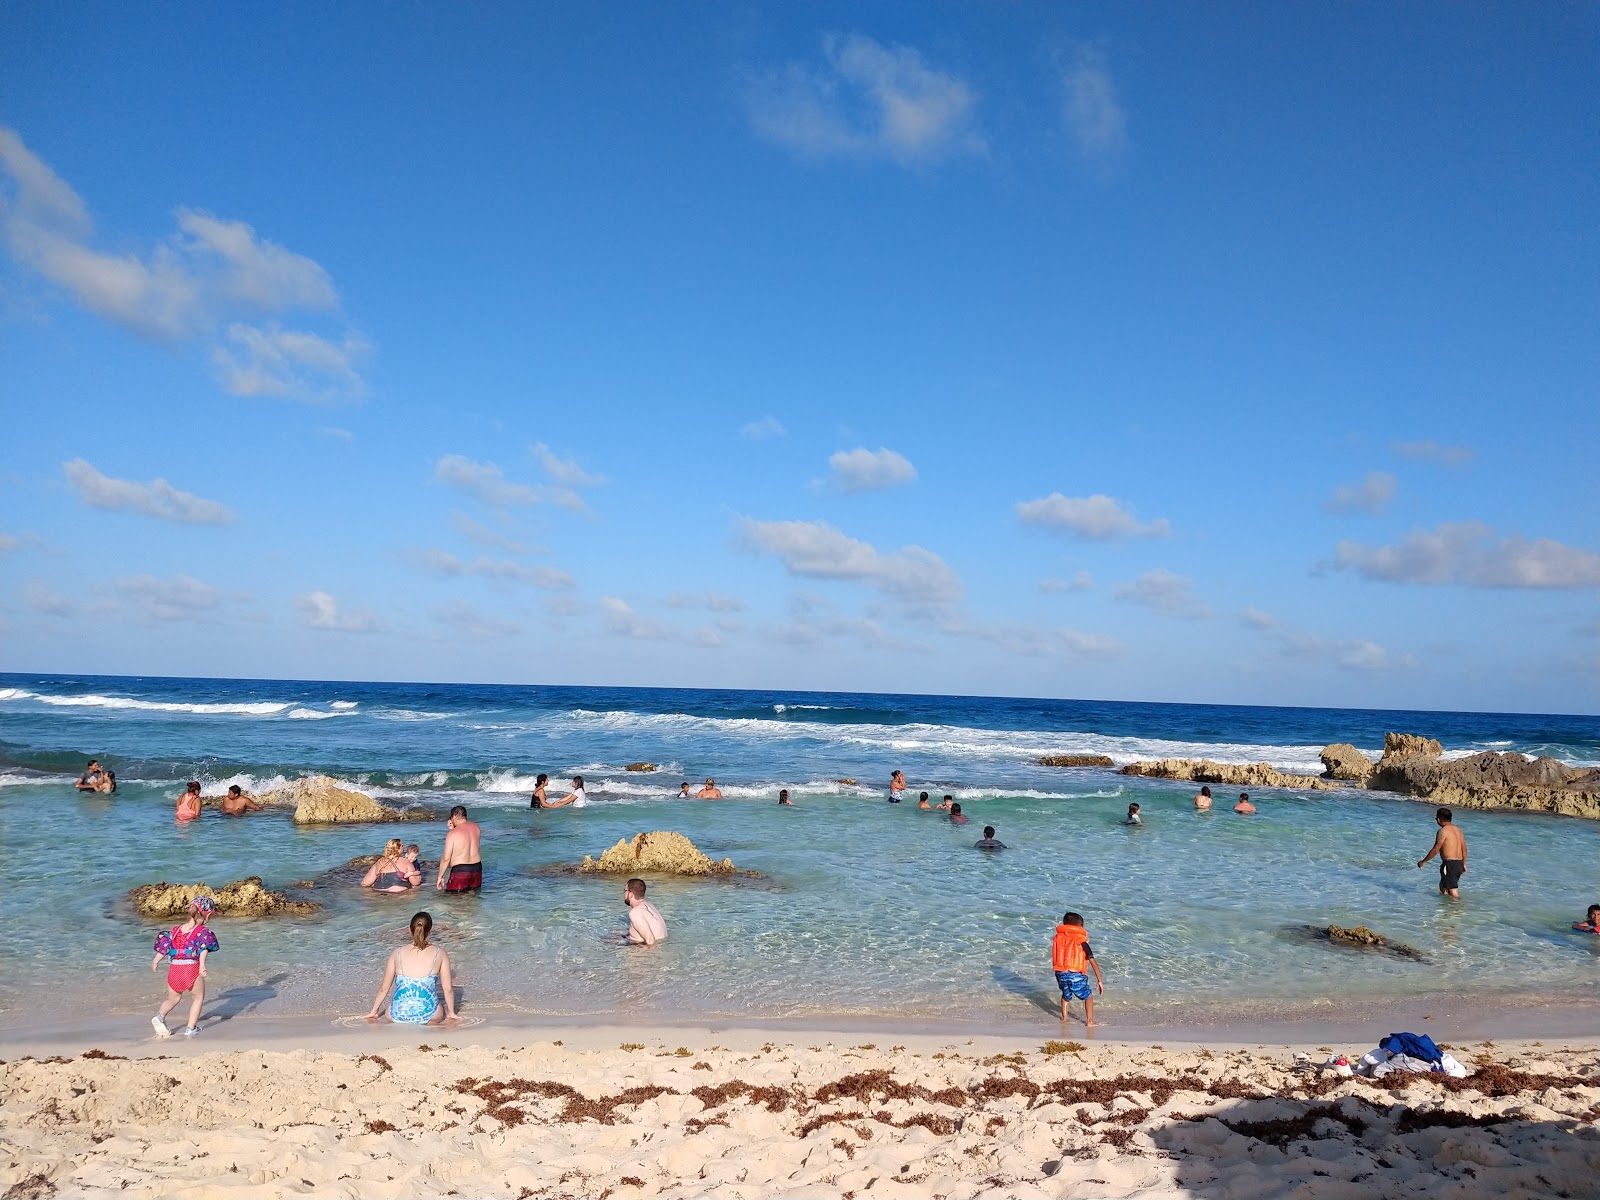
{"points": [[160, 1027], [190, 1030]]}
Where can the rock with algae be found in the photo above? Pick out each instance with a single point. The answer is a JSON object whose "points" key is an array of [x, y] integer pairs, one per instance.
{"points": [[1076, 760], [660, 852], [641, 767], [242, 898], [1360, 935], [320, 800]]}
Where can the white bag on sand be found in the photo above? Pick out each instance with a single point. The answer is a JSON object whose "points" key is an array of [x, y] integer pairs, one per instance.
{"points": [[1402, 1062], [1450, 1067], [1372, 1058]]}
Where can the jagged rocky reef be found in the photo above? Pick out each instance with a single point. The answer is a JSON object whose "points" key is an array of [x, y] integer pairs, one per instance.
{"points": [[1413, 766], [320, 800], [660, 852], [242, 898]]}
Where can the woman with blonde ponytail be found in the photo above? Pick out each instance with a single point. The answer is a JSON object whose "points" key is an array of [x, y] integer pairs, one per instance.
{"points": [[420, 976]]}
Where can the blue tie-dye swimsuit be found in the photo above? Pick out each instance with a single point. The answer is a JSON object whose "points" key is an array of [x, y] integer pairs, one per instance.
{"points": [[416, 997]]}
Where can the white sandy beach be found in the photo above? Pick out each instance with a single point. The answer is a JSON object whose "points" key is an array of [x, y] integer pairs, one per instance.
{"points": [[607, 1112]]}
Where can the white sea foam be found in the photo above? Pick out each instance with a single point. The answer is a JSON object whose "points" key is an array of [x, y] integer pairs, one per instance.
{"points": [[259, 708], [311, 714], [342, 705], [957, 741], [407, 714]]}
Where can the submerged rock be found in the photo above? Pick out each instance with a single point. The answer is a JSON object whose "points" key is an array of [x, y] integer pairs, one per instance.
{"points": [[661, 852], [1363, 937], [846, 781], [1076, 760], [1203, 770], [1343, 761], [321, 800], [242, 898], [640, 766]]}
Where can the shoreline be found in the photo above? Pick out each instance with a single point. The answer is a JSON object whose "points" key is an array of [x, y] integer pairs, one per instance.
{"points": [[1447, 1017]]}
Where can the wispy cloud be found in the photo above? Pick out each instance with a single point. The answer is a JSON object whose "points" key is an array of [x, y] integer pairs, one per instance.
{"points": [[38, 597], [816, 550], [319, 610], [622, 620], [757, 431], [863, 470], [1097, 518], [481, 535], [1164, 592], [710, 601], [869, 101], [564, 471], [1358, 654], [1080, 582], [462, 618], [1033, 641], [487, 482], [1371, 495], [1429, 450], [336, 433], [208, 274], [158, 498], [447, 566], [181, 598], [1093, 118], [1470, 554]]}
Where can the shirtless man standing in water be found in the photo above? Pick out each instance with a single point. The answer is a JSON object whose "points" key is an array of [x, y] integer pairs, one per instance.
{"points": [[461, 864], [646, 926], [1451, 847]]}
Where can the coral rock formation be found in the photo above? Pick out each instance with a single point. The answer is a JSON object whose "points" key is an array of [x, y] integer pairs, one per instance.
{"points": [[242, 898], [640, 766], [1203, 770], [319, 800], [1076, 760], [660, 851], [1343, 761]]}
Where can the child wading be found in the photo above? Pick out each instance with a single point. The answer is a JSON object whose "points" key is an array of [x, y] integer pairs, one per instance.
{"points": [[185, 947], [1069, 955]]}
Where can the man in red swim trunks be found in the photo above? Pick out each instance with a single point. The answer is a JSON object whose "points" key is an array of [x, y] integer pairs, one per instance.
{"points": [[461, 864]]}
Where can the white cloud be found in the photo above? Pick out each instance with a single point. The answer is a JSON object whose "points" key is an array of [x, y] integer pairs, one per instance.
{"points": [[757, 431], [318, 610], [1165, 592], [271, 361], [564, 471], [1429, 450], [710, 601], [1080, 582], [1359, 654], [336, 433], [816, 550], [870, 101], [1032, 641], [1364, 656], [181, 598], [8, 543], [490, 485], [1093, 118], [158, 498], [448, 566], [863, 470], [621, 619], [1256, 619], [481, 535], [463, 618], [1097, 517], [202, 276], [1470, 554], [1371, 495], [39, 598]]}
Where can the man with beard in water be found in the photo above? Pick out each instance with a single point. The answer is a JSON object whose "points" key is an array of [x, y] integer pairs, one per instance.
{"points": [[461, 864]]}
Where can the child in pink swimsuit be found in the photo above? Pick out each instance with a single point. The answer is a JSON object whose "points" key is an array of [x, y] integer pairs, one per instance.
{"points": [[185, 948]]}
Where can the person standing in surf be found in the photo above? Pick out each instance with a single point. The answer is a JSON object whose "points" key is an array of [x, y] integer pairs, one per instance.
{"points": [[1451, 847], [897, 787], [461, 863], [538, 799]]}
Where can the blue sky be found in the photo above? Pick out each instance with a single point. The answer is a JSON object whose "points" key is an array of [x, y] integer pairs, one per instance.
{"points": [[1161, 352]]}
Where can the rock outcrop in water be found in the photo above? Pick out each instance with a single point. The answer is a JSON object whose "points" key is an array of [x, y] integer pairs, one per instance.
{"points": [[642, 767], [1344, 761], [320, 800], [242, 898], [1076, 760], [1362, 937], [1203, 770], [660, 852]]}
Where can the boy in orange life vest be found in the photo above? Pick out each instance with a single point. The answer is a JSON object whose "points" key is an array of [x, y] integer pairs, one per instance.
{"points": [[1069, 955]]}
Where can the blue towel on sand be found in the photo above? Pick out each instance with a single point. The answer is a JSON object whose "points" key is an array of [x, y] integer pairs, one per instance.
{"points": [[1414, 1045]]}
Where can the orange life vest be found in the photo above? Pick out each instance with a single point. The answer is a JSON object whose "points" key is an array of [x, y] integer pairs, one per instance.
{"points": [[1066, 953]]}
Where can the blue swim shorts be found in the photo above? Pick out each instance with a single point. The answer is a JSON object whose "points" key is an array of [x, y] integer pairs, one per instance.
{"points": [[1074, 985]]}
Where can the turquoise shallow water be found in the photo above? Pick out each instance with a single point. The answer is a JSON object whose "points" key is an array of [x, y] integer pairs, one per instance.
{"points": [[864, 908]]}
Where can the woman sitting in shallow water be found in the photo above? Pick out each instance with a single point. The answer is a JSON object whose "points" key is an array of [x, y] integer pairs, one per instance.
{"points": [[420, 975], [394, 872]]}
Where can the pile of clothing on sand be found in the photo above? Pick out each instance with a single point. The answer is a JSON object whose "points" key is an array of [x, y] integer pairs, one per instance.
{"points": [[1413, 1053]]}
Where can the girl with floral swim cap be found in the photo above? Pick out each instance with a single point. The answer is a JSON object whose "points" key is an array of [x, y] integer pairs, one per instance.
{"points": [[185, 948]]}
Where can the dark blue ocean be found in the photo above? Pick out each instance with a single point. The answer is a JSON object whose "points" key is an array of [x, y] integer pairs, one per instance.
{"points": [[861, 904]]}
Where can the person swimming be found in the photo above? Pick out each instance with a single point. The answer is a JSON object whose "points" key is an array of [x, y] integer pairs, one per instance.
{"points": [[1591, 920], [1133, 817]]}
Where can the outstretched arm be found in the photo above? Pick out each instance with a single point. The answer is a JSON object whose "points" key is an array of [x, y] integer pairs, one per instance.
{"points": [[383, 989]]}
